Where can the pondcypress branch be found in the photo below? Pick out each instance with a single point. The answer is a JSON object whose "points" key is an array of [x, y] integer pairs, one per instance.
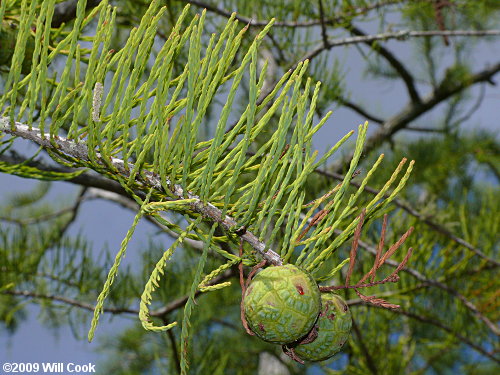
{"points": [[113, 187], [161, 312], [434, 322], [360, 110], [87, 178], [413, 212], [291, 24], [148, 179], [178, 303], [94, 180], [396, 35], [414, 110], [394, 62], [462, 338], [435, 283]]}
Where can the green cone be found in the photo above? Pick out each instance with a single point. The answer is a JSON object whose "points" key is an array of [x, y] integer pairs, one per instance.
{"points": [[282, 304], [334, 327]]}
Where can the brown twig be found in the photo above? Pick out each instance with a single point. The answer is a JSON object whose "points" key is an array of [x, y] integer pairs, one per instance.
{"points": [[373, 300], [261, 204], [324, 34], [315, 219], [357, 286], [243, 290], [438, 284], [380, 247], [290, 351], [379, 261], [438, 7], [401, 265], [285, 150], [413, 212], [331, 192], [354, 247], [254, 271]]}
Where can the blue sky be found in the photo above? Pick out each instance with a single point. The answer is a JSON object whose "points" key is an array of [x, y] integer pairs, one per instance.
{"points": [[107, 223]]}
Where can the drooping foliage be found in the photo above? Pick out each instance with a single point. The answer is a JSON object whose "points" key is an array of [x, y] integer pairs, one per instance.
{"points": [[186, 126]]}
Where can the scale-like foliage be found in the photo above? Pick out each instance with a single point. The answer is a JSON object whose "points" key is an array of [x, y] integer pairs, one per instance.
{"points": [[145, 134]]}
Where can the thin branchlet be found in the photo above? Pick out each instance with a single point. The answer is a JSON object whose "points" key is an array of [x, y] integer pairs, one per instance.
{"points": [[149, 179]]}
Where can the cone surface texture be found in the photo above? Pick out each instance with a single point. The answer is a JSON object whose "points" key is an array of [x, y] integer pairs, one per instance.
{"points": [[334, 327], [282, 304]]}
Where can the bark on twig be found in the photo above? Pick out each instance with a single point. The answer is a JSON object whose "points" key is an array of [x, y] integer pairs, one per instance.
{"points": [[149, 179]]}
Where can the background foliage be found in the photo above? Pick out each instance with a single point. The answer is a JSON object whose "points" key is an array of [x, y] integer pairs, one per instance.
{"points": [[448, 320]]}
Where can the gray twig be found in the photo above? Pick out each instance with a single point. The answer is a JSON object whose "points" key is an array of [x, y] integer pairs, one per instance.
{"points": [[149, 179], [292, 24]]}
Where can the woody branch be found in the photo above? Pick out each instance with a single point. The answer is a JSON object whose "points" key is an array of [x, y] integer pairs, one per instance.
{"points": [[148, 180]]}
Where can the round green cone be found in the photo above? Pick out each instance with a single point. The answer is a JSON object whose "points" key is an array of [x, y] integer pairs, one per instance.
{"points": [[334, 327], [282, 304]]}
